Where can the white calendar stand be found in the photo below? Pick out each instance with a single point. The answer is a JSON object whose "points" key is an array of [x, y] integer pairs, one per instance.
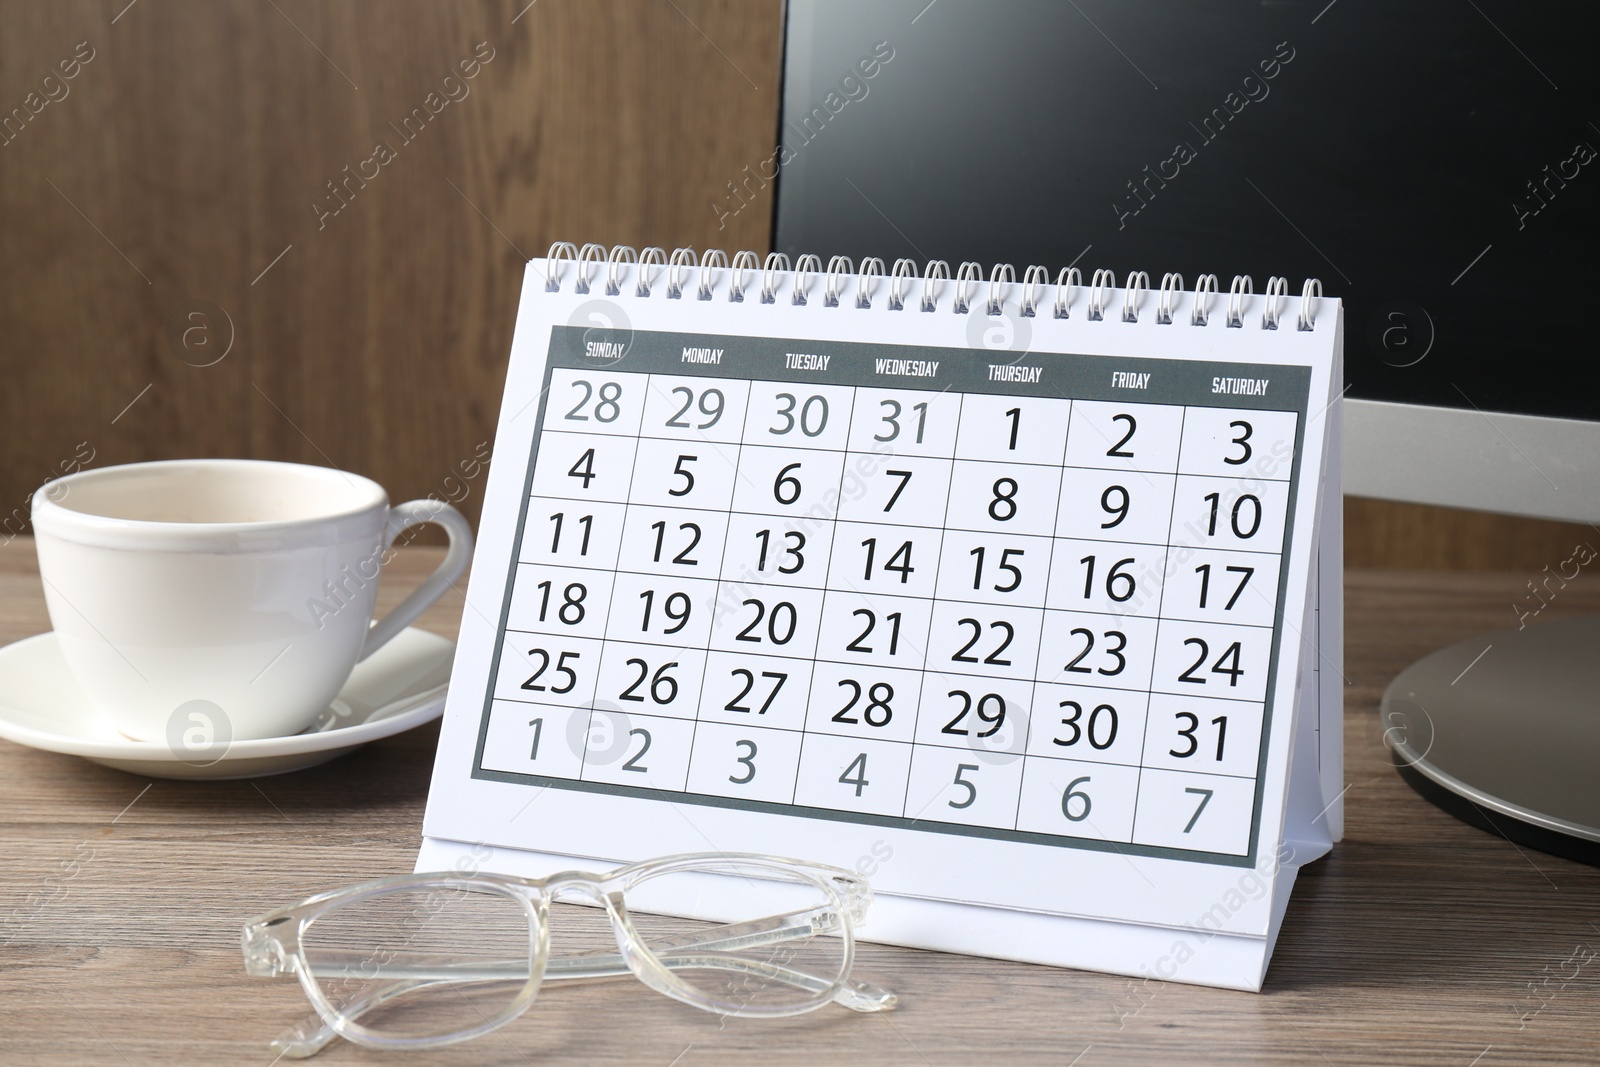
{"points": [[1023, 600]]}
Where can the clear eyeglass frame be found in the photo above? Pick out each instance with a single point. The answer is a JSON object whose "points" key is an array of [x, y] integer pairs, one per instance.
{"points": [[834, 902]]}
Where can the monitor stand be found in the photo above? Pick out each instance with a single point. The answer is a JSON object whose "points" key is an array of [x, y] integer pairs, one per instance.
{"points": [[1503, 731]]}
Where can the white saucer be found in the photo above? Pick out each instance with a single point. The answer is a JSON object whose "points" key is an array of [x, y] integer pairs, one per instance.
{"points": [[402, 685]]}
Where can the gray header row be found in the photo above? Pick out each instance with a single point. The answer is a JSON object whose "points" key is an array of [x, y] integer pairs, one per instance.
{"points": [[968, 370]]}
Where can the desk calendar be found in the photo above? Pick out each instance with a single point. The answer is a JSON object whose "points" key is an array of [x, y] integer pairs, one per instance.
{"points": [[1020, 598]]}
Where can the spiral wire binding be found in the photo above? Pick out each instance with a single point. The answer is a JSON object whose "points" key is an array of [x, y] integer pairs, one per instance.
{"points": [[555, 264], [743, 263], [838, 266], [1104, 280], [1171, 284], [708, 268], [714, 260], [682, 259], [867, 280], [1001, 278], [590, 257], [621, 255], [904, 270], [1237, 292], [650, 257], [777, 263], [1205, 288], [967, 279], [1310, 296], [932, 282], [804, 268], [1033, 283], [1138, 282], [1066, 283], [1277, 293]]}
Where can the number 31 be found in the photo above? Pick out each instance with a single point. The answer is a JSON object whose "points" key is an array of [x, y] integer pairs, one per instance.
{"points": [[892, 419]]}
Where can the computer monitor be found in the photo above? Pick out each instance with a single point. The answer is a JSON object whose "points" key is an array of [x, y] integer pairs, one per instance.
{"points": [[1433, 163]]}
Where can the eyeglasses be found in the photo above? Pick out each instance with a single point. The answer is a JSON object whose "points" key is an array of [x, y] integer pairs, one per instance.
{"points": [[424, 960]]}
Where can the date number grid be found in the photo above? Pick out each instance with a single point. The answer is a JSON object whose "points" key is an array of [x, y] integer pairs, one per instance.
{"points": [[974, 611]]}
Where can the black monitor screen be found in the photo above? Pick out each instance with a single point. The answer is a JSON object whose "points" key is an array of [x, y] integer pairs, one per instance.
{"points": [[1433, 162]]}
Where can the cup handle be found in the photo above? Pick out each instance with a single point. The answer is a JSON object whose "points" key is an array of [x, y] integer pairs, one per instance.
{"points": [[415, 513]]}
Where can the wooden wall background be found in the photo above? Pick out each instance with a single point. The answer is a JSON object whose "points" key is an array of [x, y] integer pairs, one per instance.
{"points": [[178, 175]]}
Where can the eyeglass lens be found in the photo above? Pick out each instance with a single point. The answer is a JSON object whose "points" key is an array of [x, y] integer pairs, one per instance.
{"points": [[419, 963]]}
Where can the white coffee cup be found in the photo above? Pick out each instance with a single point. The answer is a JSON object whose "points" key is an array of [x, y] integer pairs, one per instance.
{"points": [[243, 588]]}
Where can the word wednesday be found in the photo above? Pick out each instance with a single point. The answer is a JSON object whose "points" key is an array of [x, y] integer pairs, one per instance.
{"points": [[907, 368]]}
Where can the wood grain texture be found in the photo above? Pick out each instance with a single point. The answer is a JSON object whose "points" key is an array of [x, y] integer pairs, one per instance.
{"points": [[197, 165], [205, 138], [1420, 940], [1383, 533]]}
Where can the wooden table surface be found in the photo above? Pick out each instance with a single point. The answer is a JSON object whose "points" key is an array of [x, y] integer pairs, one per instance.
{"points": [[1420, 940]]}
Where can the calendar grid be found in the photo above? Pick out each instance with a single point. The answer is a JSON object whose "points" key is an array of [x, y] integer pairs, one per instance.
{"points": [[583, 765], [1034, 691], [828, 589], [705, 665], [1161, 596], [827, 571], [920, 745], [938, 562]]}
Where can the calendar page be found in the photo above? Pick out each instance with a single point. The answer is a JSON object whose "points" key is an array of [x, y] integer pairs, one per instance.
{"points": [[1023, 623]]}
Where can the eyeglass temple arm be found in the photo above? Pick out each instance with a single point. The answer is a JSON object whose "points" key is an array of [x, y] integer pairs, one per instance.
{"points": [[314, 1034], [855, 994]]}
